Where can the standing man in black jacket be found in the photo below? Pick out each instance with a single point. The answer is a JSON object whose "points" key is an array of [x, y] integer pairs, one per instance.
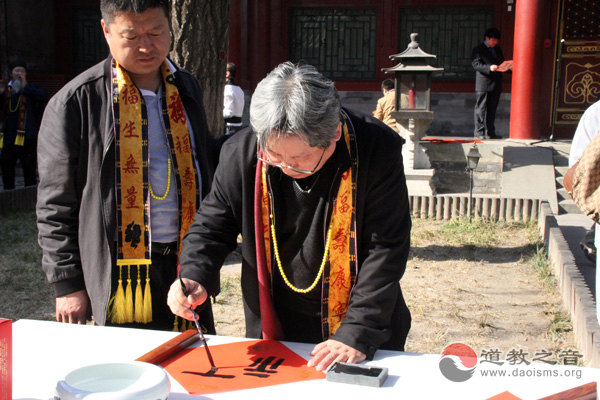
{"points": [[486, 59], [125, 157]]}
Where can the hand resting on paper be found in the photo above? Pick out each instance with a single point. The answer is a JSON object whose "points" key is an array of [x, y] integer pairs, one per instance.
{"points": [[73, 308], [180, 304], [327, 353]]}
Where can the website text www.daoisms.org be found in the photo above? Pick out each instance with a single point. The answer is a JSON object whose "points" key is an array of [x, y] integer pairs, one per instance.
{"points": [[532, 373], [459, 362]]}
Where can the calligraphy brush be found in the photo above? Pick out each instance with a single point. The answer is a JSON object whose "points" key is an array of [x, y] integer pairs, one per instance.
{"points": [[213, 368]]}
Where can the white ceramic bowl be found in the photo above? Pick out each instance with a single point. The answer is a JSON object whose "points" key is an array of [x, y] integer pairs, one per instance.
{"points": [[115, 381]]}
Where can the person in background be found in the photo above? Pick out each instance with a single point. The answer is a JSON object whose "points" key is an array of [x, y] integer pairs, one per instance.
{"points": [[233, 108], [21, 106], [486, 58], [319, 194], [125, 158], [387, 104]]}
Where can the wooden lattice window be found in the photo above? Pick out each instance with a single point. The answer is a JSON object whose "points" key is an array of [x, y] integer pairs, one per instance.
{"points": [[89, 45], [450, 33], [339, 42]]}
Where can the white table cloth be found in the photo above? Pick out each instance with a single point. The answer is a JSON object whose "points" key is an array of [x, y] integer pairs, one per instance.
{"points": [[44, 352]]}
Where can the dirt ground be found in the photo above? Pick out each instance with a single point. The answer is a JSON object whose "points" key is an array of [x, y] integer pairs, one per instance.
{"points": [[488, 296]]}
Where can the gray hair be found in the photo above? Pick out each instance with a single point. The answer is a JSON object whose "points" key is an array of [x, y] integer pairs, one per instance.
{"points": [[295, 100]]}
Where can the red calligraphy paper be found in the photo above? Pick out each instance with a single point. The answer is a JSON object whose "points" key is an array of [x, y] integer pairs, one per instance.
{"points": [[242, 365], [5, 359], [505, 66], [504, 396]]}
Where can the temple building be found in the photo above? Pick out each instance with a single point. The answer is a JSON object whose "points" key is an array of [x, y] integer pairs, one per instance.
{"points": [[554, 45]]}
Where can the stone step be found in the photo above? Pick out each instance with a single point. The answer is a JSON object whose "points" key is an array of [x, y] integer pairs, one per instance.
{"points": [[560, 171], [418, 182], [568, 207], [561, 155], [561, 194], [561, 160]]}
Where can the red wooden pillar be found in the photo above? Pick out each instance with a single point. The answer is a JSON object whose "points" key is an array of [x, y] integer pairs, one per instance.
{"points": [[524, 99], [235, 34]]}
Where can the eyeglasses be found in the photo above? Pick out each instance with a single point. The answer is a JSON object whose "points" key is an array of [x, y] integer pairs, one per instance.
{"points": [[280, 165]]}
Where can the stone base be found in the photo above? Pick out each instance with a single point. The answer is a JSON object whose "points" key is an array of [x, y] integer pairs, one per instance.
{"points": [[418, 182], [412, 130]]}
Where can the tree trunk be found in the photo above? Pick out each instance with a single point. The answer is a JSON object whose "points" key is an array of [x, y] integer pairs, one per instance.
{"points": [[200, 43], [3, 40]]}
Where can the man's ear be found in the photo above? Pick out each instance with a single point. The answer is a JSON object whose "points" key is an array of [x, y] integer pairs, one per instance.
{"points": [[338, 132], [105, 29]]}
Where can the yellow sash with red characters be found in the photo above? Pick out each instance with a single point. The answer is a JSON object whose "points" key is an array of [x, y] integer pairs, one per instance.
{"points": [[21, 109], [339, 272], [131, 134]]}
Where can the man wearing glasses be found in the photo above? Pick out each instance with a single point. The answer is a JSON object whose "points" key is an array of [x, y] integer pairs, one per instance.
{"points": [[319, 195]]}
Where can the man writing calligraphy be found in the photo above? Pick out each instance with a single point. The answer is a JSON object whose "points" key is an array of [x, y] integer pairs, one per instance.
{"points": [[319, 195], [125, 158]]}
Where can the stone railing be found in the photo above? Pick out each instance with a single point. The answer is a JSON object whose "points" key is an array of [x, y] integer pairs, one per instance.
{"points": [[576, 295], [446, 207], [19, 199]]}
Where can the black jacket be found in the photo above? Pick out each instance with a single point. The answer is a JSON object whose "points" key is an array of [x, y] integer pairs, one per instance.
{"points": [[76, 208], [482, 59], [377, 316]]}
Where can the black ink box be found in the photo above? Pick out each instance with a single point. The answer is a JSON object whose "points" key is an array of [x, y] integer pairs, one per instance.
{"points": [[357, 374]]}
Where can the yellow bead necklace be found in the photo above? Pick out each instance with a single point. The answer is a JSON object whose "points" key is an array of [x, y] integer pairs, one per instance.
{"points": [[16, 107], [164, 196], [285, 279]]}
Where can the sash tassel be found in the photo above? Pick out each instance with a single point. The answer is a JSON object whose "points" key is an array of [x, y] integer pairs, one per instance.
{"points": [[117, 303], [129, 297], [20, 139], [139, 299], [147, 316]]}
